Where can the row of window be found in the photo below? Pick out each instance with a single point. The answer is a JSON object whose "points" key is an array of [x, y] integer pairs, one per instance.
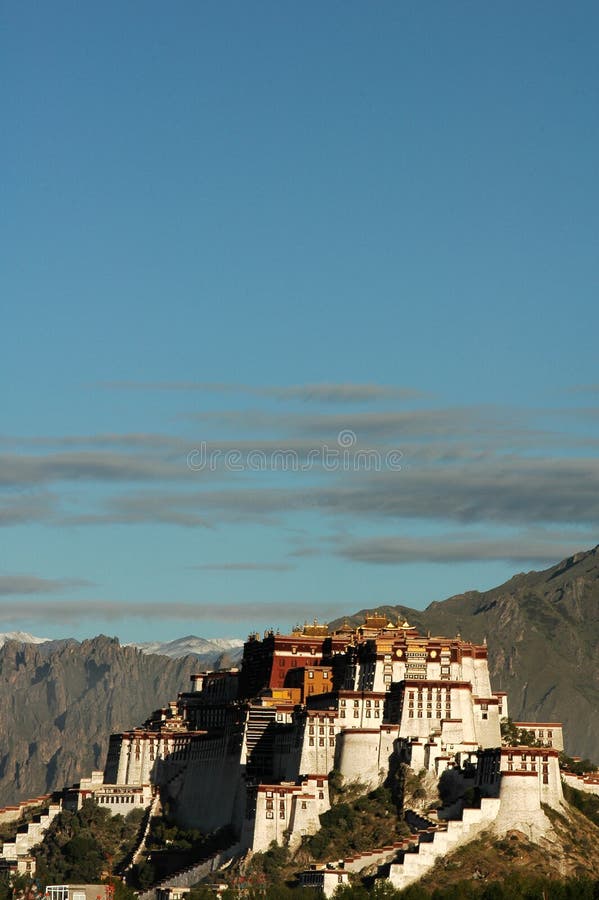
{"points": [[321, 742], [429, 705], [377, 714], [533, 768], [429, 714], [343, 702], [437, 691], [533, 756]]}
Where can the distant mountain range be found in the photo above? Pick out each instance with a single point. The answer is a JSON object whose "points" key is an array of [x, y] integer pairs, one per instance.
{"points": [[22, 637], [196, 646], [208, 651], [60, 700]]}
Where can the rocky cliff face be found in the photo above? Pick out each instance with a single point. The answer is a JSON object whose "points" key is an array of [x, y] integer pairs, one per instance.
{"points": [[542, 630], [59, 704]]}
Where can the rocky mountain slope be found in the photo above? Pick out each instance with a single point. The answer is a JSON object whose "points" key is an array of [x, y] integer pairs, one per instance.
{"points": [[59, 701], [58, 707], [542, 629]]}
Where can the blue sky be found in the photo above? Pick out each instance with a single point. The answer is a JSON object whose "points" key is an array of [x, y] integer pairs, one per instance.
{"points": [[255, 227]]}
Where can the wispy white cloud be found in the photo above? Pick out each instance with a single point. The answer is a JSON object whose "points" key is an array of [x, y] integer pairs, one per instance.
{"points": [[320, 392], [75, 612], [583, 389], [12, 585], [514, 490], [21, 509], [244, 567], [456, 548]]}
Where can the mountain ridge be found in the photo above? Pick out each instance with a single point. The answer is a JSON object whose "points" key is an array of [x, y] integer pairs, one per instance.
{"points": [[63, 698], [542, 630], [59, 705]]}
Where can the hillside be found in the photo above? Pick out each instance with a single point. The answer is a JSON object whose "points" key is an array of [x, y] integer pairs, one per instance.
{"points": [[542, 629], [59, 701], [58, 707], [569, 852]]}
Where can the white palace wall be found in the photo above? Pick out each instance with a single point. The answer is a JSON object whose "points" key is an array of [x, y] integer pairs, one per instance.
{"points": [[363, 754], [209, 792]]}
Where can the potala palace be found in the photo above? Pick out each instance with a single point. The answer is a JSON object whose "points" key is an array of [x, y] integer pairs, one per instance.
{"points": [[252, 747]]}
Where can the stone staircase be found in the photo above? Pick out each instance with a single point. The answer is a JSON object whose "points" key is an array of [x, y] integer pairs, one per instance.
{"points": [[152, 810], [28, 836], [438, 840], [378, 857], [190, 875], [259, 739]]}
